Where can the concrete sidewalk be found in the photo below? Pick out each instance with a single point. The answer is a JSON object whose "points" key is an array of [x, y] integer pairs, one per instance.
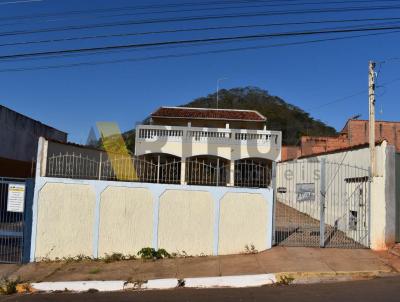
{"points": [[307, 261]]}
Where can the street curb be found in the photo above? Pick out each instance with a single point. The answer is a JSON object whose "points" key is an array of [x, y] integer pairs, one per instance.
{"points": [[79, 286], [324, 277], [240, 281], [231, 281], [158, 284]]}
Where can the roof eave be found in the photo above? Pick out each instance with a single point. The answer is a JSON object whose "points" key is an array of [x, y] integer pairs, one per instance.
{"points": [[208, 118]]}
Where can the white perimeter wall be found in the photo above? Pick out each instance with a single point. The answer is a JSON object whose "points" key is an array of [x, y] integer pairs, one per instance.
{"points": [[94, 218]]}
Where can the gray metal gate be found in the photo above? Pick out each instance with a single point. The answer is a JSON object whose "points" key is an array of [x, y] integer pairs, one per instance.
{"points": [[12, 219], [322, 204]]}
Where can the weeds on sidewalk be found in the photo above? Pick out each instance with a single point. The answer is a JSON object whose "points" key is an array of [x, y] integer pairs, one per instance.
{"points": [[146, 253], [149, 253], [78, 258], [182, 254], [284, 280], [108, 258], [9, 286], [115, 257], [250, 250]]}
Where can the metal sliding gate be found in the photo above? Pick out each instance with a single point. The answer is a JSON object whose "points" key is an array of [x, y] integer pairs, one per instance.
{"points": [[12, 204], [322, 204]]}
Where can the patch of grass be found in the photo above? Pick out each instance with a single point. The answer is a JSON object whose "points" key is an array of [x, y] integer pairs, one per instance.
{"points": [[149, 253], [285, 280], [78, 258], [69, 259], [108, 258], [9, 286], [250, 250], [182, 254], [115, 257], [94, 271]]}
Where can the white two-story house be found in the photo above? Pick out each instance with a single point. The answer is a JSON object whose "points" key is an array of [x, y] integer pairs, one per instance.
{"points": [[202, 146]]}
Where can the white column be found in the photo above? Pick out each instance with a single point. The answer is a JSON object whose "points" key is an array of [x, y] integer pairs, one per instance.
{"points": [[232, 174], [43, 162], [183, 171]]}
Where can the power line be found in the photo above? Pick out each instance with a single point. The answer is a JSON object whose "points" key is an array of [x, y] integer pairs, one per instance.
{"points": [[163, 47], [192, 41], [104, 62], [340, 99], [242, 7], [196, 4], [208, 8], [360, 92], [246, 26], [200, 18], [172, 46], [19, 2]]}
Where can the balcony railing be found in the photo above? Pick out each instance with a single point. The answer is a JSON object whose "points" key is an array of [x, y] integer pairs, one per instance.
{"points": [[150, 133]]}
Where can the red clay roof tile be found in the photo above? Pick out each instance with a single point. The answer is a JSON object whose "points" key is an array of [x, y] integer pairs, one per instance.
{"points": [[206, 113]]}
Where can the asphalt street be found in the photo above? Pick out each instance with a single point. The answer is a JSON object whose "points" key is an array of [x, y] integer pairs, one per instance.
{"points": [[382, 290]]}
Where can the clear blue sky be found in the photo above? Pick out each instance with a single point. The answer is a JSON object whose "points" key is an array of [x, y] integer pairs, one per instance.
{"points": [[74, 99]]}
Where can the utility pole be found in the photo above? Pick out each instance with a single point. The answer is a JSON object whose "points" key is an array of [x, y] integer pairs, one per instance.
{"points": [[371, 93]]}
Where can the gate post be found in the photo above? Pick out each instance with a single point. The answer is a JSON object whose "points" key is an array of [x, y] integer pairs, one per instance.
{"points": [[322, 203], [273, 185], [158, 169], [27, 223]]}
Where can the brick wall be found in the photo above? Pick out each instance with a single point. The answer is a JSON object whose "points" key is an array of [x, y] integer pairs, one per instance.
{"points": [[312, 145], [290, 152], [355, 132], [359, 132]]}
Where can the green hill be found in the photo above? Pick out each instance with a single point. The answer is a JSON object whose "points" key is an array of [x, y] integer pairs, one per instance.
{"points": [[291, 120]]}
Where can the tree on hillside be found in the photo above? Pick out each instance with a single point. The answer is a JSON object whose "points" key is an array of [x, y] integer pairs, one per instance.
{"points": [[291, 120]]}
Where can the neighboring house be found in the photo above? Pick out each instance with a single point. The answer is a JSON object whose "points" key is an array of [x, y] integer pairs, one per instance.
{"points": [[19, 136], [354, 133], [210, 146]]}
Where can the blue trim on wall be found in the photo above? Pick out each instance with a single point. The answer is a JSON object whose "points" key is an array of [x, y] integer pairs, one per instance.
{"points": [[217, 196], [269, 199], [96, 224], [39, 184], [157, 190]]}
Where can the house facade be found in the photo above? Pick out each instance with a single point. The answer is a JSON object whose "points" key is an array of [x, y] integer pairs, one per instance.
{"points": [[196, 178], [210, 146]]}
